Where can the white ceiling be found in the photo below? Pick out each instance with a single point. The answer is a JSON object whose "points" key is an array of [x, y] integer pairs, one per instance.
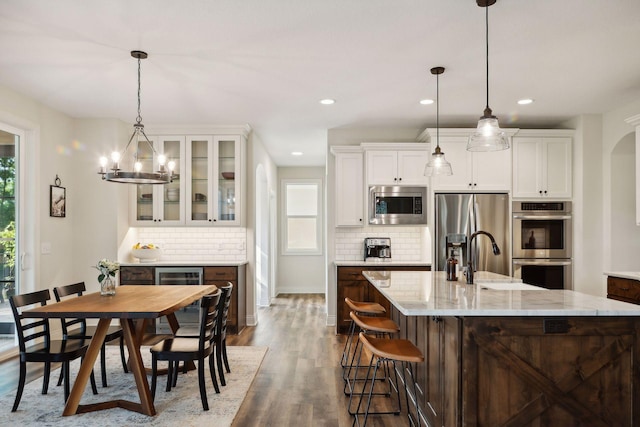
{"points": [[269, 62]]}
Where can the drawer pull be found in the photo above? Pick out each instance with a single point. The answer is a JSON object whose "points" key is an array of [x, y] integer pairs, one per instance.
{"points": [[624, 289]]}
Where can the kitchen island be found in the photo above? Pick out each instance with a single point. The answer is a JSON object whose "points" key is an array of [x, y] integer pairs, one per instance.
{"points": [[503, 353]]}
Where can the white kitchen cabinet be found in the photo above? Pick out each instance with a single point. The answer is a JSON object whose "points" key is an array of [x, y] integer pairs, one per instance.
{"points": [[472, 171], [542, 164], [349, 187], [391, 166], [213, 182], [160, 205]]}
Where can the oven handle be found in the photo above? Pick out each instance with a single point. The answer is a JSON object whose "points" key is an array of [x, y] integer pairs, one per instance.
{"points": [[516, 216], [540, 262]]}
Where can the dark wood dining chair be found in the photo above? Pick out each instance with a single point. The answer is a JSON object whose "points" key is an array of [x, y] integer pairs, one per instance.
{"points": [[220, 336], [35, 344], [78, 329], [185, 349]]}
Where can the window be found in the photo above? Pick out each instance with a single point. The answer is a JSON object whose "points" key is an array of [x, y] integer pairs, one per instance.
{"points": [[302, 217]]}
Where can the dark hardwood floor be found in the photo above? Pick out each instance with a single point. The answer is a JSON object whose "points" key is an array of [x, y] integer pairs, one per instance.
{"points": [[300, 380]]}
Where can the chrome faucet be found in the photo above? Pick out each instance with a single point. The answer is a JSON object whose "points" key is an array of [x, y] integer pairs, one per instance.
{"points": [[494, 245]]}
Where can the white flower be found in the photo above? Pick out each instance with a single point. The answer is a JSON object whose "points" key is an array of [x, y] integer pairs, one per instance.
{"points": [[107, 268]]}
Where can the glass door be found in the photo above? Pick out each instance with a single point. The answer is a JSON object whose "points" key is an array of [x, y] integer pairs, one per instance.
{"points": [[9, 143], [199, 153], [172, 195], [227, 178], [144, 192]]}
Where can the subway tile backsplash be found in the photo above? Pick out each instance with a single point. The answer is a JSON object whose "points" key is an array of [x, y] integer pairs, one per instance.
{"points": [[408, 244], [197, 243]]}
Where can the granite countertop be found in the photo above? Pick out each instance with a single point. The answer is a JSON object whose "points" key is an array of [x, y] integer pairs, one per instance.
{"points": [[428, 293], [161, 263], [633, 275], [381, 263]]}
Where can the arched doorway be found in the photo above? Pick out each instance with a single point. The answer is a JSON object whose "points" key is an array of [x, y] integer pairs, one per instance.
{"points": [[625, 235]]}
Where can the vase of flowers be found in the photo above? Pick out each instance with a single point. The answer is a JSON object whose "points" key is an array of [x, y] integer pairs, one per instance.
{"points": [[106, 277]]}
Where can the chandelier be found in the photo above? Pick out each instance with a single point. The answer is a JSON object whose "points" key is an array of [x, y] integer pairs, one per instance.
{"points": [[488, 135], [114, 173]]}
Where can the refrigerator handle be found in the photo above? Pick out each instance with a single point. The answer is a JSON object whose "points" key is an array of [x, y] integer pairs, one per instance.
{"points": [[473, 227]]}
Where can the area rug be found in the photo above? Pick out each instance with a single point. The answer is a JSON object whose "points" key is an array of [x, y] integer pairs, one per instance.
{"points": [[179, 407]]}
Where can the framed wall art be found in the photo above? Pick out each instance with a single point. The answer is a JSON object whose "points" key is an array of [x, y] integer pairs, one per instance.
{"points": [[57, 199]]}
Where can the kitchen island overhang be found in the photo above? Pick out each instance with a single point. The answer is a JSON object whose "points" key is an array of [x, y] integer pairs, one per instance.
{"points": [[517, 357]]}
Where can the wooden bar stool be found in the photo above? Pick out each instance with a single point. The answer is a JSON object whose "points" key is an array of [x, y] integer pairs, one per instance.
{"points": [[378, 326], [389, 351], [363, 309]]}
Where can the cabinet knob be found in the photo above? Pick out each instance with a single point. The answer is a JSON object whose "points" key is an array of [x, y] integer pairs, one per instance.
{"points": [[214, 220], [399, 179], [360, 219], [545, 191], [540, 191], [470, 185], [475, 184], [395, 179], [209, 219]]}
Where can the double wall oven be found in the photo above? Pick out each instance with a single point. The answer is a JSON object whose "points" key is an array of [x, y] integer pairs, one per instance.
{"points": [[542, 236]]}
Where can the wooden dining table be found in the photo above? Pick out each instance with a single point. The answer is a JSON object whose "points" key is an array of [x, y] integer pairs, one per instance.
{"points": [[134, 306]]}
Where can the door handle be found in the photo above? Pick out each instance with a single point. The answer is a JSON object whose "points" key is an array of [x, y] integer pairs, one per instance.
{"points": [[23, 256]]}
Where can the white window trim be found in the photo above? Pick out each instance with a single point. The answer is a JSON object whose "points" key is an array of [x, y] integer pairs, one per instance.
{"points": [[319, 223]]}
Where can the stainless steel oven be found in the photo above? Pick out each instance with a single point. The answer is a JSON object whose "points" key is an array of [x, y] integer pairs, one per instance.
{"points": [[180, 276], [542, 243], [547, 273], [542, 230]]}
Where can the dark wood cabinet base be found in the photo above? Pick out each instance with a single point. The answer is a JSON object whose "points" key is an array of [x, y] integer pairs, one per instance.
{"points": [[527, 371]]}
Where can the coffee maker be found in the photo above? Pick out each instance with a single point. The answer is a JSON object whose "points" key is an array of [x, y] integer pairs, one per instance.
{"points": [[377, 249]]}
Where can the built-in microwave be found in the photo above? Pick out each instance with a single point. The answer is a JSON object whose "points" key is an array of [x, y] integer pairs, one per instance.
{"points": [[397, 205]]}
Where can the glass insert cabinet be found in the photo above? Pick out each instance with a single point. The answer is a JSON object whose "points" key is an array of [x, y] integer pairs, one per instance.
{"points": [[215, 173], [160, 204], [206, 189]]}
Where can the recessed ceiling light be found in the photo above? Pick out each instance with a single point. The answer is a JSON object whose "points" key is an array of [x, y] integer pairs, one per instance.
{"points": [[327, 101], [426, 101], [296, 153], [525, 101]]}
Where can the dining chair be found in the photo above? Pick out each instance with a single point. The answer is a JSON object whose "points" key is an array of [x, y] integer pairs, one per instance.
{"points": [[187, 349], [220, 336], [78, 329], [35, 344]]}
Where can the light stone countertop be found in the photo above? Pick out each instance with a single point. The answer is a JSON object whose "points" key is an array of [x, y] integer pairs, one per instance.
{"points": [[427, 293], [382, 263], [633, 275], [161, 263]]}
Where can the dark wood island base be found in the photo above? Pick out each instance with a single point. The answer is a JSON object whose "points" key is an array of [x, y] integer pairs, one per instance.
{"points": [[491, 371]]}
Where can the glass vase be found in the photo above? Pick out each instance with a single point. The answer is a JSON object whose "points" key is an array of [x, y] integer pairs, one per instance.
{"points": [[107, 287]]}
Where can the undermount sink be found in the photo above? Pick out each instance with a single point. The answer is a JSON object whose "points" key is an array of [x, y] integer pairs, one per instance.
{"points": [[508, 286]]}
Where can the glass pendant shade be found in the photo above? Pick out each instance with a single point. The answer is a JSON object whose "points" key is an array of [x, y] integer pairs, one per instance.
{"points": [[488, 136], [438, 165]]}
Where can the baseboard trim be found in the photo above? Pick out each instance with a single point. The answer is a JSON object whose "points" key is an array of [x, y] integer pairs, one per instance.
{"points": [[251, 321], [331, 320]]}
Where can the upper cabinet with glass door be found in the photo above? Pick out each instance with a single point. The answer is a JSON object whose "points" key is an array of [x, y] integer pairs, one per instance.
{"points": [[214, 185], [161, 204]]}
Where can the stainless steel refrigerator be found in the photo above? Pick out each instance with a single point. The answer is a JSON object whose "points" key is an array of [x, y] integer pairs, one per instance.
{"points": [[460, 215]]}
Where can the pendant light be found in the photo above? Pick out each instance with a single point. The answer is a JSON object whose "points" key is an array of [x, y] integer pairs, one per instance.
{"points": [[163, 175], [437, 165], [488, 135]]}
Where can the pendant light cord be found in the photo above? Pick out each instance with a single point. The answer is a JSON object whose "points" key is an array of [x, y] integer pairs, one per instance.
{"points": [[438, 110], [139, 118], [487, 48]]}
